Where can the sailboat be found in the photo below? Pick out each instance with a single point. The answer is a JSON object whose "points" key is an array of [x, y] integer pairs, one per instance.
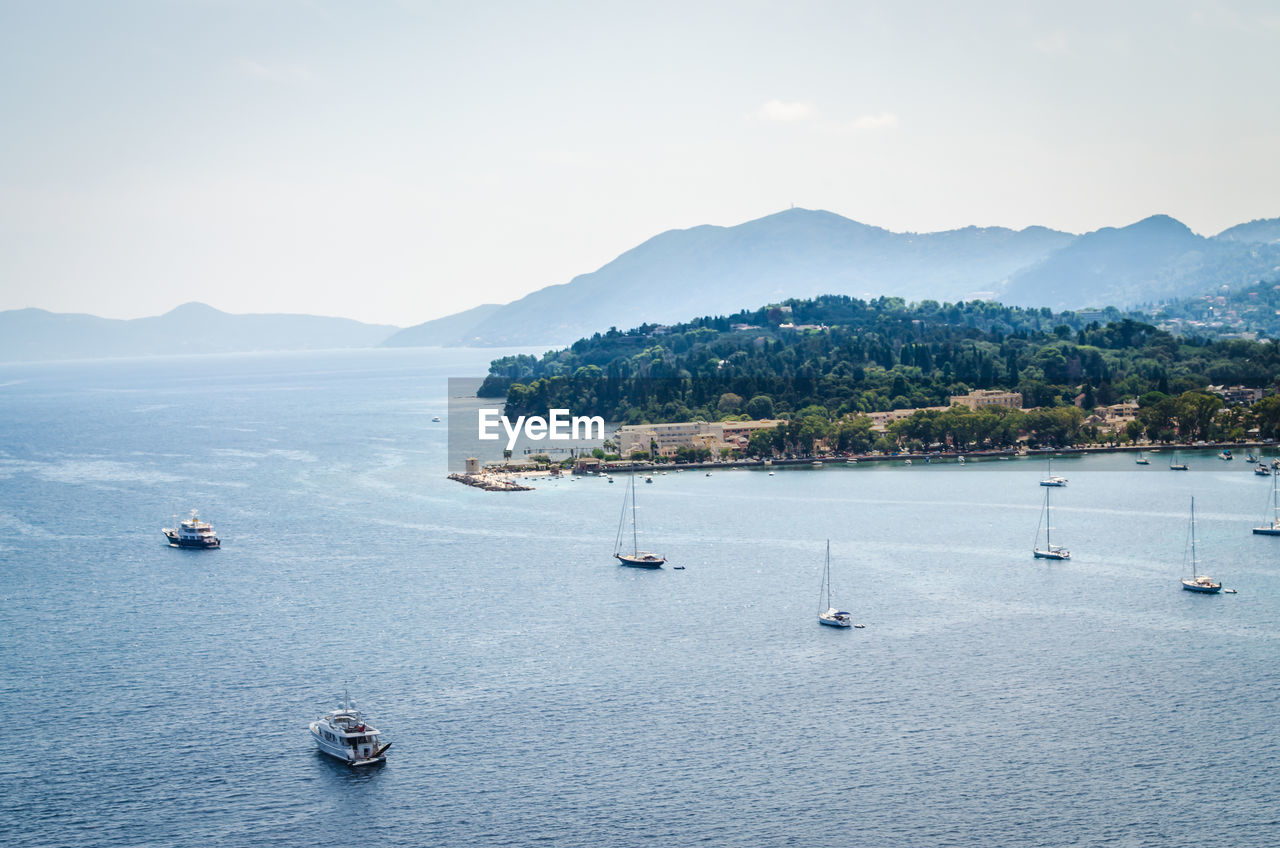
{"points": [[1050, 550], [1051, 480], [1176, 464], [1198, 582], [1142, 459], [1272, 529], [827, 614], [637, 558]]}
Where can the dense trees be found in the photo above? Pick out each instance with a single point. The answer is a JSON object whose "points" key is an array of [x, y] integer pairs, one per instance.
{"points": [[833, 359]]}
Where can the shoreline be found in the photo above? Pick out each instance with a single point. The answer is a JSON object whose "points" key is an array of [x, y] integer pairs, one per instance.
{"points": [[495, 479]]}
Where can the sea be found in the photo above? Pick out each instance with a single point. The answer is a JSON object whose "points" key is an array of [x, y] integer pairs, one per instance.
{"points": [[536, 693]]}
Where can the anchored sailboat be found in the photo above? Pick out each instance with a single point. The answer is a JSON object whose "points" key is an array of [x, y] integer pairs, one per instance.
{"points": [[1142, 459], [1051, 480], [1272, 529], [1176, 464], [1198, 582], [827, 614], [1050, 550], [637, 558]]}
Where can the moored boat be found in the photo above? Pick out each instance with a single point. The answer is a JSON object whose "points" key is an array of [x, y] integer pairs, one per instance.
{"points": [[1053, 480], [192, 533], [343, 735], [828, 614], [637, 558], [1198, 582], [1272, 529], [1050, 550]]}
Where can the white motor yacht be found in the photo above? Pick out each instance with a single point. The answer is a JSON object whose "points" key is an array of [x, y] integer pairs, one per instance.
{"points": [[343, 735], [192, 533]]}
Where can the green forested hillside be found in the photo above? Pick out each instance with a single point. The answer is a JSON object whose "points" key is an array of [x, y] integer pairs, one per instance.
{"points": [[866, 356]]}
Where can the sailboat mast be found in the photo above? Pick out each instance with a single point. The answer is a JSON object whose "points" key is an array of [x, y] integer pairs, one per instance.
{"points": [[1195, 563], [824, 594], [1048, 519], [1275, 498], [635, 543]]}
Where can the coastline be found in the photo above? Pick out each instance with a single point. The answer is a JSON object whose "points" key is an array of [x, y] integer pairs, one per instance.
{"points": [[496, 479]]}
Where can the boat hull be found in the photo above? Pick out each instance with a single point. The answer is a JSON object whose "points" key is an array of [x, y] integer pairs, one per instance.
{"points": [[176, 541], [1039, 554], [342, 753], [1192, 586], [832, 622], [1266, 531], [639, 562]]}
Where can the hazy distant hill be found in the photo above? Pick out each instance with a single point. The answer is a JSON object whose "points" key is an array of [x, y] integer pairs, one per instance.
{"points": [[1156, 259], [34, 334], [801, 253], [1266, 230], [450, 330], [796, 253]]}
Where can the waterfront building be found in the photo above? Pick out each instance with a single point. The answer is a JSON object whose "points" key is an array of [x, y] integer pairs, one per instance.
{"points": [[668, 438], [988, 397]]}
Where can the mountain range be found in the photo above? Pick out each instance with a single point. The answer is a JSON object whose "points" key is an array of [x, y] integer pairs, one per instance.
{"points": [[711, 270], [34, 334]]}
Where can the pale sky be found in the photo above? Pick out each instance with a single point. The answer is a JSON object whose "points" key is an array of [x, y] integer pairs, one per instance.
{"points": [[398, 161]]}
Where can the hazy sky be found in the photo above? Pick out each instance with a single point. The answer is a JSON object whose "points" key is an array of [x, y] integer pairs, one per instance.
{"points": [[398, 161]]}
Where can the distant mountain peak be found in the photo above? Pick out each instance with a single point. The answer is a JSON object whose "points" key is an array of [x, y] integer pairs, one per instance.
{"points": [[1160, 223], [1259, 230], [194, 308]]}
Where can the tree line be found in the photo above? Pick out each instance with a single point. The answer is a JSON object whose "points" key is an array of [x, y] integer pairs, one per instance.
{"points": [[860, 356]]}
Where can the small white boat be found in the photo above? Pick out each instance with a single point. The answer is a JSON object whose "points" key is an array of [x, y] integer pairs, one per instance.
{"points": [[827, 614], [708, 473], [1198, 582], [1272, 529], [817, 463], [908, 462], [435, 418], [1177, 464], [1050, 550], [960, 460], [1052, 479], [1142, 459], [770, 473], [343, 735], [1261, 470], [192, 533], [648, 479]]}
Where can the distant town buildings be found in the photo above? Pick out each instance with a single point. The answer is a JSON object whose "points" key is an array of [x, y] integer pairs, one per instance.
{"points": [[1235, 395], [668, 438], [880, 421], [988, 397], [1115, 417]]}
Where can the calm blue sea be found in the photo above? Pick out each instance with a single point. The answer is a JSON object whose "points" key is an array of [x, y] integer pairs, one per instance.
{"points": [[537, 694]]}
